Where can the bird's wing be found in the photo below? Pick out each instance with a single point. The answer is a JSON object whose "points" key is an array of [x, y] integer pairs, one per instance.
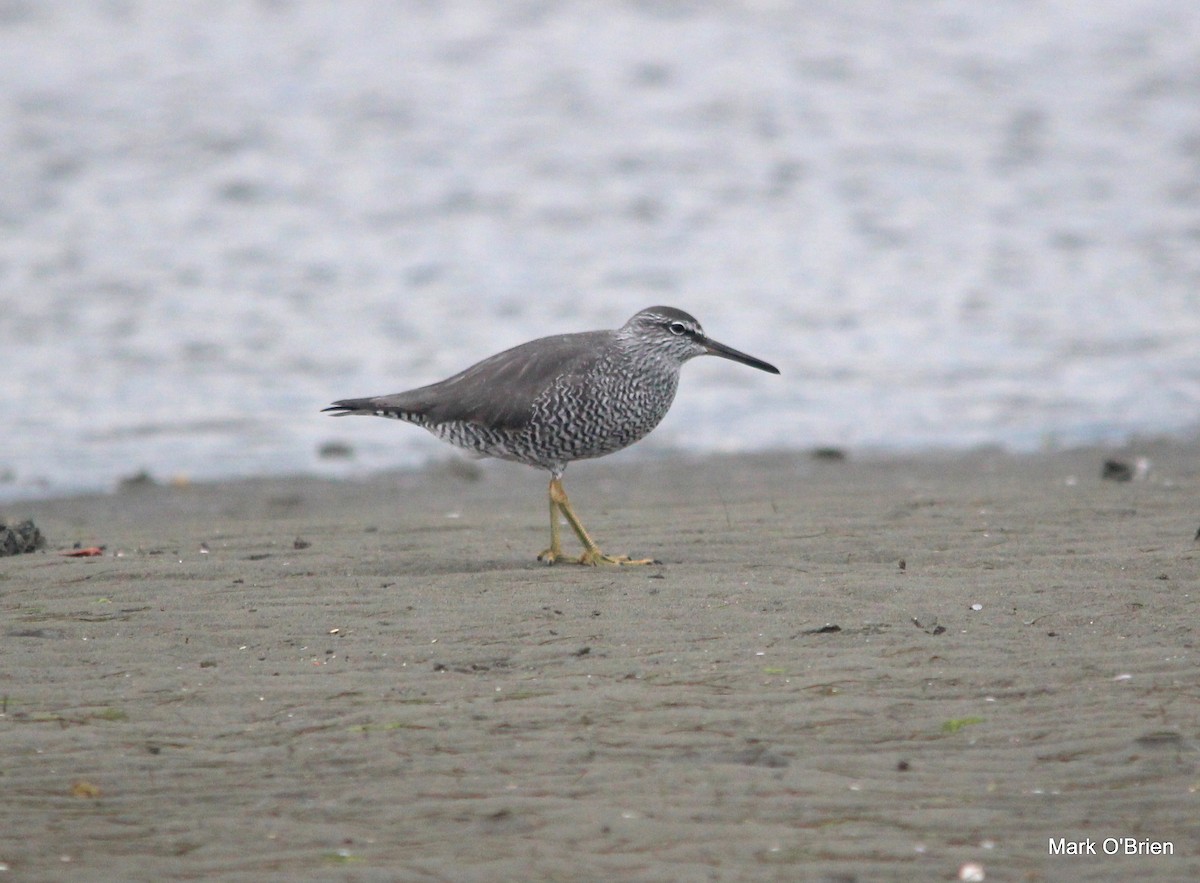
{"points": [[501, 390]]}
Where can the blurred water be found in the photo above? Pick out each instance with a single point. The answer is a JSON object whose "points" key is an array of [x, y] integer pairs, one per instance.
{"points": [[948, 223]]}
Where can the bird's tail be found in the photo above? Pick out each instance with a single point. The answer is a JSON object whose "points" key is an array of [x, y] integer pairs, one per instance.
{"points": [[346, 407]]}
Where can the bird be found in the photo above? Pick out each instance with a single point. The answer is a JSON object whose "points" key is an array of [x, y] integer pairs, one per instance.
{"points": [[558, 399]]}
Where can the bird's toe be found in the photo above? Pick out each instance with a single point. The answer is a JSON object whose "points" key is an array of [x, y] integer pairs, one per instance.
{"points": [[596, 557]]}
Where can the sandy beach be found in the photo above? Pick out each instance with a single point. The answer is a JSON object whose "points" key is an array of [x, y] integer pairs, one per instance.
{"points": [[868, 669]]}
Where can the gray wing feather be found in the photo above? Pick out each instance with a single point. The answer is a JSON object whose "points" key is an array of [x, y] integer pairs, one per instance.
{"points": [[500, 391]]}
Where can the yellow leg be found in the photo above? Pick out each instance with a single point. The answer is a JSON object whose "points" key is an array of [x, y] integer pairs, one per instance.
{"points": [[591, 552], [555, 552]]}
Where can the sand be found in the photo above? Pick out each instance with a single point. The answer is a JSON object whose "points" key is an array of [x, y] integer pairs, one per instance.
{"points": [[864, 670]]}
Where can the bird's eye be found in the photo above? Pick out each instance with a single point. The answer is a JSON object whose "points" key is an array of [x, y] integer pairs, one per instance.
{"points": [[677, 328]]}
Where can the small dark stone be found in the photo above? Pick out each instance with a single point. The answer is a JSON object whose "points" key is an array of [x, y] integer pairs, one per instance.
{"points": [[137, 482], [832, 455], [1115, 470], [335, 450], [827, 629]]}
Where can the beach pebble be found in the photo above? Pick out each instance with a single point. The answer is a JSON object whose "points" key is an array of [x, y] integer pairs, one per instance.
{"points": [[971, 872]]}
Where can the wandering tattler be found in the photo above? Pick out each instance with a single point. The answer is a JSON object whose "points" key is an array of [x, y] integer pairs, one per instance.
{"points": [[557, 399]]}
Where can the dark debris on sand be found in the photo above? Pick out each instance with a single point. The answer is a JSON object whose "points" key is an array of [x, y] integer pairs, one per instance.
{"points": [[20, 538]]}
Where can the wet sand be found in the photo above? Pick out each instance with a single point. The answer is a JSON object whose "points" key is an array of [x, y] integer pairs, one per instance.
{"points": [[863, 670]]}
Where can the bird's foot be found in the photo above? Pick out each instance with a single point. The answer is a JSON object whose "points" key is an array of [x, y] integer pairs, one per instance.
{"points": [[552, 556], [592, 558]]}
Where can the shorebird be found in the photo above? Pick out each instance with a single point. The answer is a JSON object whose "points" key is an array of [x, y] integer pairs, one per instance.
{"points": [[551, 401]]}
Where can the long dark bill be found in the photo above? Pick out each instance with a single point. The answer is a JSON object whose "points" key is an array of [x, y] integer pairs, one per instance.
{"points": [[728, 352]]}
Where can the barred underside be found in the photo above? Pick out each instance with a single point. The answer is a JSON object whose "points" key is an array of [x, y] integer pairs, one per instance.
{"points": [[619, 399]]}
